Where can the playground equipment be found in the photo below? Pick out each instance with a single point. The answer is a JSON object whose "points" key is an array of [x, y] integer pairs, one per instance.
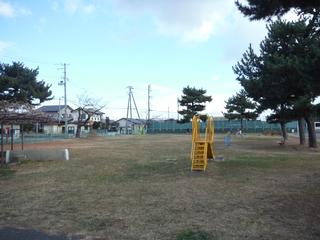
{"points": [[202, 148]]}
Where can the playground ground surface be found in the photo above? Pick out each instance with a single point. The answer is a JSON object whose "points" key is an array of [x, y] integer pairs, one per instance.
{"points": [[141, 187]]}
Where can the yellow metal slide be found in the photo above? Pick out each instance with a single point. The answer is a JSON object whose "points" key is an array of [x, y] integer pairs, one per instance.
{"points": [[202, 148]]}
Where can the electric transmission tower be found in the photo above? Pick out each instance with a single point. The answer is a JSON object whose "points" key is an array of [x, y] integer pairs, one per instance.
{"points": [[129, 108]]}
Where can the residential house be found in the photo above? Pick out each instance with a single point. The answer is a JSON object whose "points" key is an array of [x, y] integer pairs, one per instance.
{"points": [[10, 130], [95, 116], [59, 114], [131, 125]]}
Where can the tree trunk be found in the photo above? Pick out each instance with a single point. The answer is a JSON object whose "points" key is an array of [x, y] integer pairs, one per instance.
{"points": [[302, 135], [78, 132], [284, 131], [311, 132]]}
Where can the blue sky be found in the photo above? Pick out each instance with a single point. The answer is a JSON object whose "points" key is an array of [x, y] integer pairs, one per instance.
{"points": [[111, 44]]}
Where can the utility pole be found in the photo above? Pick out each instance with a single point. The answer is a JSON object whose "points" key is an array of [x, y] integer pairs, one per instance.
{"points": [[59, 111], [65, 99], [64, 83], [129, 108], [149, 97], [178, 106]]}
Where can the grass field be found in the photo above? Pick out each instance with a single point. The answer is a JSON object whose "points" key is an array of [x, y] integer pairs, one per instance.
{"points": [[141, 187]]}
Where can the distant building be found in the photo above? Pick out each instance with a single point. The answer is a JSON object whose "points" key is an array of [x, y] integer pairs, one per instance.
{"points": [[57, 113], [96, 116], [130, 125]]}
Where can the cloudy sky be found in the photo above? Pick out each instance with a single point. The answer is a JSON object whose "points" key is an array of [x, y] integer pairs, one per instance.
{"points": [[112, 44]]}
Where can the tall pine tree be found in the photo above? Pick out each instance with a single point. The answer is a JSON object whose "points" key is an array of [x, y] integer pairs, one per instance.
{"points": [[193, 100], [281, 76], [19, 84], [265, 9], [240, 107]]}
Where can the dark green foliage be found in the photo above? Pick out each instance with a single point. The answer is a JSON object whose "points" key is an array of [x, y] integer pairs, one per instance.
{"points": [[28, 127], [96, 125], [284, 77], [265, 9], [194, 102], [203, 117], [193, 235], [279, 75], [19, 83], [240, 107]]}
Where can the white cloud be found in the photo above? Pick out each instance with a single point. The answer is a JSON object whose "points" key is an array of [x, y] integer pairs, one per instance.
{"points": [[215, 77], [74, 6], [236, 35], [4, 46], [88, 9], [42, 24], [9, 10], [6, 9], [71, 6], [190, 20], [194, 21], [54, 5]]}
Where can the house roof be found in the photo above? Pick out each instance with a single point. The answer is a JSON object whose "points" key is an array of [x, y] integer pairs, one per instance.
{"points": [[52, 108], [133, 120], [92, 110]]}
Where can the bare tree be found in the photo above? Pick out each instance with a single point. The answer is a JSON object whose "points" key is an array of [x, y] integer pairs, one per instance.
{"points": [[87, 107], [18, 113]]}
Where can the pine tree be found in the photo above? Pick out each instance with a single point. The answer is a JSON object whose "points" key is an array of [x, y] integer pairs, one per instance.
{"points": [[19, 84], [240, 107], [285, 71], [194, 102], [265, 9]]}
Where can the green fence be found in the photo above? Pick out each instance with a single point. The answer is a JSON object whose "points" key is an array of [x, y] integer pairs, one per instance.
{"points": [[220, 126]]}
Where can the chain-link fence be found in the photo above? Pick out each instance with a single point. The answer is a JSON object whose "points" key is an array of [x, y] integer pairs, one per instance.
{"points": [[221, 126]]}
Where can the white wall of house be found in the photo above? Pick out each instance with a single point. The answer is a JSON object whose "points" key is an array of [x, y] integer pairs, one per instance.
{"points": [[52, 129], [123, 123], [69, 113], [61, 114], [132, 127], [93, 118], [55, 129], [7, 128]]}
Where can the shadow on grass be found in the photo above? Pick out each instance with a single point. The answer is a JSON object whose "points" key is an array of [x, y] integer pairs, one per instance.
{"points": [[10, 233], [259, 162], [195, 235], [136, 171], [6, 173]]}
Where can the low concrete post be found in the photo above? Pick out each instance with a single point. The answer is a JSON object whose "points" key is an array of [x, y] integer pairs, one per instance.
{"points": [[37, 155]]}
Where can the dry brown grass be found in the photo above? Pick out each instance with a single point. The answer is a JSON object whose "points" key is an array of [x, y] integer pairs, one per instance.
{"points": [[141, 187]]}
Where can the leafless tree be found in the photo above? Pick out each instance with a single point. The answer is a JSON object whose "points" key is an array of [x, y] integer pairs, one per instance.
{"points": [[87, 107]]}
